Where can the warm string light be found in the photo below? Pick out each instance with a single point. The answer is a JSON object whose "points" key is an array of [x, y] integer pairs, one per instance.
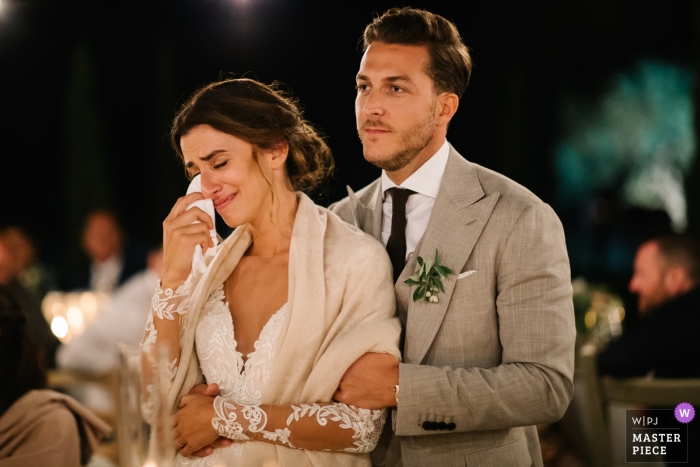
{"points": [[59, 326], [70, 313]]}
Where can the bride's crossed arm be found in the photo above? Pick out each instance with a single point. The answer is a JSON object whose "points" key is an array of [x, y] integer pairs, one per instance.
{"points": [[202, 418], [323, 426]]}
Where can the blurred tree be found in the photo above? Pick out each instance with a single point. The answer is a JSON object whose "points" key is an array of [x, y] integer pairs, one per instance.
{"points": [[639, 136]]}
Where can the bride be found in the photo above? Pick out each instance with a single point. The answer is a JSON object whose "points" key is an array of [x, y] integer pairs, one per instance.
{"points": [[286, 304]]}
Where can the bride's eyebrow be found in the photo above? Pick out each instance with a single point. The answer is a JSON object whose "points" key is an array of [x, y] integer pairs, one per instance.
{"points": [[190, 164]]}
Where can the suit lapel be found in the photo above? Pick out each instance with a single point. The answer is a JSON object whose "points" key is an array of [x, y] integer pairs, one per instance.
{"points": [[367, 209], [460, 213]]}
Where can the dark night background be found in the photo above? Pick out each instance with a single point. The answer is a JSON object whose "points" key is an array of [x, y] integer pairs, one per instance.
{"points": [[88, 89]]}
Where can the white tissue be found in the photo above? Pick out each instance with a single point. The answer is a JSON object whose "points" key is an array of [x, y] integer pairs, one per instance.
{"points": [[206, 205]]}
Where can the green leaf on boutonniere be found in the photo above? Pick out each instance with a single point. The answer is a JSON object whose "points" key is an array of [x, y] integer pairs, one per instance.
{"points": [[428, 277], [419, 292]]}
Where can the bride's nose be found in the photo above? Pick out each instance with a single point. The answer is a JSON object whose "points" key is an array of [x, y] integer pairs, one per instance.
{"points": [[210, 186]]}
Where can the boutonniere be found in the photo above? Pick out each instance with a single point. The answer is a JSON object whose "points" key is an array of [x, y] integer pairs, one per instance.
{"points": [[428, 278]]}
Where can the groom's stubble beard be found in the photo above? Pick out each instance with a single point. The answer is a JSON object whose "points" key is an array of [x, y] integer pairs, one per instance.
{"points": [[413, 141]]}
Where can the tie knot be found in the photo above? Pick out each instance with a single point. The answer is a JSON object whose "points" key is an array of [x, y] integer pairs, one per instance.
{"points": [[399, 198]]}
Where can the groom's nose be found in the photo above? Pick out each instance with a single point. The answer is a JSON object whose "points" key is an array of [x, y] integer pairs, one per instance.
{"points": [[371, 104]]}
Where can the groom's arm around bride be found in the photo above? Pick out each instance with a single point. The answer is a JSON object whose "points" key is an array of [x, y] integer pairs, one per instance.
{"points": [[494, 356]]}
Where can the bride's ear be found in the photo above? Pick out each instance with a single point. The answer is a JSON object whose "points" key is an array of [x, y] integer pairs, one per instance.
{"points": [[278, 154]]}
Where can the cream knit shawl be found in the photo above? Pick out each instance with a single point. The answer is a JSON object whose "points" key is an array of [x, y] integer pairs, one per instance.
{"points": [[35, 431], [340, 305]]}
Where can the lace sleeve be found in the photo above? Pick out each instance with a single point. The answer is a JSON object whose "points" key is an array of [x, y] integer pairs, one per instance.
{"points": [[164, 305], [320, 426], [162, 331]]}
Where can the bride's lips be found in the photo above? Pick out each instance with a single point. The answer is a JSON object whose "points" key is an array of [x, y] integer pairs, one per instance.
{"points": [[218, 204]]}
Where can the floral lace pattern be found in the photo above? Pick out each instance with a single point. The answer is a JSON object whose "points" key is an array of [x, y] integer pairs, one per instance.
{"points": [[225, 423], [366, 424], [165, 302], [220, 359], [241, 383], [164, 305]]}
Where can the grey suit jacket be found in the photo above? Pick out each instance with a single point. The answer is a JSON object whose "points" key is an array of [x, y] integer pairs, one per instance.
{"points": [[495, 355]]}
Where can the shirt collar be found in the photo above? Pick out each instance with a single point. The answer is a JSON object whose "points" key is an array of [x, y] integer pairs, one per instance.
{"points": [[426, 180]]}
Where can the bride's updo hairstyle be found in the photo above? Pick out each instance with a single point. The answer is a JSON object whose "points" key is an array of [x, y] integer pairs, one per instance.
{"points": [[263, 116]]}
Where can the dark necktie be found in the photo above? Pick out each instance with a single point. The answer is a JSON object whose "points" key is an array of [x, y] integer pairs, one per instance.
{"points": [[396, 246]]}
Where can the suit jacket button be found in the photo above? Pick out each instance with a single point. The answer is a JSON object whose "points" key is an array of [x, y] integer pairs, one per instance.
{"points": [[451, 426], [426, 425], [442, 426]]}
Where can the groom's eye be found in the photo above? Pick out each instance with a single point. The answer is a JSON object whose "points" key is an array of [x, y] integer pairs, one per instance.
{"points": [[361, 87]]}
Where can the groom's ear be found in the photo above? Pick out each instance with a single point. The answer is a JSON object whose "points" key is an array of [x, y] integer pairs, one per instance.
{"points": [[447, 104]]}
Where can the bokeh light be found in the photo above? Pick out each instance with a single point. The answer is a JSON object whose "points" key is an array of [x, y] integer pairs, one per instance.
{"points": [[75, 316], [59, 326]]}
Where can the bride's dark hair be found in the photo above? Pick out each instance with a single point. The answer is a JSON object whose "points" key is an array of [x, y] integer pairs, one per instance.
{"points": [[262, 115]]}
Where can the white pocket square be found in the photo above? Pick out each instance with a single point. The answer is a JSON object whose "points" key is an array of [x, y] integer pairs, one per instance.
{"points": [[465, 274]]}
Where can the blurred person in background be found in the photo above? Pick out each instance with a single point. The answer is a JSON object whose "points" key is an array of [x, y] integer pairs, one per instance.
{"points": [[37, 327], [5, 263], [95, 351], [38, 427], [667, 282], [35, 277], [110, 262]]}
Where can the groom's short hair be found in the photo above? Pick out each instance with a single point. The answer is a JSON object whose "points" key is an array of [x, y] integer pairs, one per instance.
{"points": [[450, 64]]}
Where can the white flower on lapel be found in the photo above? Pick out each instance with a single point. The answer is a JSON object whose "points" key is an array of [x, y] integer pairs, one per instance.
{"points": [[428, 278]]}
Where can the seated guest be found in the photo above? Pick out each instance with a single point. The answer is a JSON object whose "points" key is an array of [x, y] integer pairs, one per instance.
{"points": [[36, 279], [111, 264], [6, 264], [38, 427], [667, 281], [37, 327], [95, 351]]}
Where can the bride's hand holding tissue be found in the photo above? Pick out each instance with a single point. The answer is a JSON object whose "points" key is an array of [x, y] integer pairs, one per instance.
{"points": [[183, 230]]}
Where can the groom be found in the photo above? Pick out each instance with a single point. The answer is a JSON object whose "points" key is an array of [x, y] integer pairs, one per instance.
{"points": [[494, 356]]}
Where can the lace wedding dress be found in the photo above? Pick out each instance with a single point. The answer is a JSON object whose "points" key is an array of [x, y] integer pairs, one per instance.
{"points": [[243, 381]]}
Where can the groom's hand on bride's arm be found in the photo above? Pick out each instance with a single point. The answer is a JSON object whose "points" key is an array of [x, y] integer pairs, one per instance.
{"points": [[221, 442], [369, 382]]}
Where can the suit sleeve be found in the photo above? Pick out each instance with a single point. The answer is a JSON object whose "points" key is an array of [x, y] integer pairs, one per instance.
{"points": [[534, 382]]}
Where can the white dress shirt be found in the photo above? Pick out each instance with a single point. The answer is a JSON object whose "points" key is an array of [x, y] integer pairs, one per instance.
{"points": [[426, 183], [104, 276]]}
